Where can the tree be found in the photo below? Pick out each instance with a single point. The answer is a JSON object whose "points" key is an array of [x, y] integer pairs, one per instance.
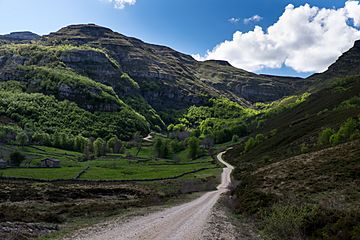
{"points": [[158, 146], [170, 128], [137, 141], [69, 143], [207, 142], [87, 151], [56, 139], [176, 146], [91, 141], [38, 138], [99, 147], [162, 148], [194, 147], [63, 140], [80, 142], [114, 144], [16, 158], [22, 138]]}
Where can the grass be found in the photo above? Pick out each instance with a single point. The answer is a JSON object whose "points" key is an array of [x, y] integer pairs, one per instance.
{"points": [[113, 167], [145, 152], [138, 171], [41, 173]]}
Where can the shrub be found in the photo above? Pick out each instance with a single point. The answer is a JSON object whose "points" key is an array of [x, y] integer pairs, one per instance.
{"points": [[285, 222], [16, 158], [324, 136], [355, 135], [348, 128], [259, 138], [336, 139], [304, 148], [350, 103], [235, 139], [250, 144]]}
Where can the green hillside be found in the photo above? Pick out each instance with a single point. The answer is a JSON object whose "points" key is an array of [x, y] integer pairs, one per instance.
{"points": [[298, 171], [36, 112]]}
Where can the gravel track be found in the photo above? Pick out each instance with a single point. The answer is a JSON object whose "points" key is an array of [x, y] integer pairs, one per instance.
{"points": [[183, 222]]}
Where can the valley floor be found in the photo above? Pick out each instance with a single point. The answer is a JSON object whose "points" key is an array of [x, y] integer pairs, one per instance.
{"points": [[187, 221]]}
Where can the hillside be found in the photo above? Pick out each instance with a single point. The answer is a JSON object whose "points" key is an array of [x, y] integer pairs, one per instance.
{"points": [[348, 64], [104, 71], [19, 36], [298, 169]]}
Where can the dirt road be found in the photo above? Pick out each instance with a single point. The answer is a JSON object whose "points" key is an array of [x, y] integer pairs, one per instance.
{"points": [[184, 222]]}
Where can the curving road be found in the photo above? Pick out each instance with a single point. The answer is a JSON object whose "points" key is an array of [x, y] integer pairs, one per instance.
{"points": [[184, 222]]}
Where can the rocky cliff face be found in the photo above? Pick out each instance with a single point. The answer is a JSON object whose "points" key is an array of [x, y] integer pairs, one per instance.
{"points": [[168, 78]]}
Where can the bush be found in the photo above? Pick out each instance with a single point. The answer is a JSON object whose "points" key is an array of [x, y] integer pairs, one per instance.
{"points": [[16, 158], [285, 222], [323, 223], [259, 138], [235, 139], [348, 128], [250, 144], [355, 135], [304, 148], [324, 136]]}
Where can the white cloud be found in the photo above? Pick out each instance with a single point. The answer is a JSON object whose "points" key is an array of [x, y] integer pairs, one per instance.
{"points": [[305, 38], [234, 20], [121, 4], [255, 18]]}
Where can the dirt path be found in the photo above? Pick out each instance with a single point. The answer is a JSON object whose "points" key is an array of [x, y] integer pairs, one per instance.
{"points": [[184, 222], [148, 138]]}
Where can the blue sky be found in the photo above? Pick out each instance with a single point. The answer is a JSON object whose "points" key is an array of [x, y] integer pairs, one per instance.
{"points": [[189, 26]]}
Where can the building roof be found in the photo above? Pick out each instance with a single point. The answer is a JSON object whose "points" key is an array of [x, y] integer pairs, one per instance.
{"points": [[51, 159]]}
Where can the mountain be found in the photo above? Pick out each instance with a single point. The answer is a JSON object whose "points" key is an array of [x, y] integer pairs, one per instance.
{"points": [[167, 78], [20, 36], [156, 81], [103, 71]]}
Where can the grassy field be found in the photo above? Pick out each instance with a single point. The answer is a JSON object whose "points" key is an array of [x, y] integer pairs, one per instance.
{"points": [[42, 173], [112, 167]]}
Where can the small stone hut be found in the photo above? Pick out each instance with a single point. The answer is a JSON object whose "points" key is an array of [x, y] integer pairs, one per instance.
{"points": [[50, 163]]}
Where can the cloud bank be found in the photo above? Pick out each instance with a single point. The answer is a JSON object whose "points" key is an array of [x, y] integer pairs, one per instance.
{"points": [[121, 4], [305, 38]]}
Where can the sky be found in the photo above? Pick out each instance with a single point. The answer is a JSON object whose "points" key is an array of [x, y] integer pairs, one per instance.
{"points": [[279, 37]]}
